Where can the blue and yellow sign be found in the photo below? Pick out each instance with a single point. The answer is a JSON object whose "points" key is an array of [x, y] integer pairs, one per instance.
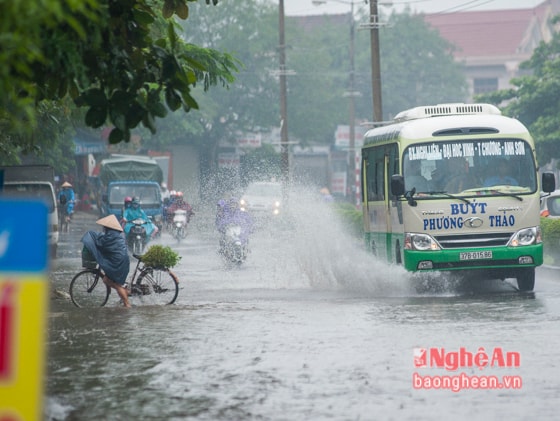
{"points": [[23, 308]]}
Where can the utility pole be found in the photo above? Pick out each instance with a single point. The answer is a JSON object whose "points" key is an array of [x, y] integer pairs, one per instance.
{"points": [[375, 66], [284, 144], [352, 139]]}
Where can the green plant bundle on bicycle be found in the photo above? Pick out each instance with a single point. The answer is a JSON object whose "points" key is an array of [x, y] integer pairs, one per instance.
{"points": [[159, 256]]}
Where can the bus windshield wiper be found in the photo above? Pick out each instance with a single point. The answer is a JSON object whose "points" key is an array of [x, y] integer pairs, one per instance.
{"points": [[452, 196], [501, 193]]}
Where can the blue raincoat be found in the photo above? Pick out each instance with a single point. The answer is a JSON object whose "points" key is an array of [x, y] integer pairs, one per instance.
{"points": [[132, 213], [109, 249]]}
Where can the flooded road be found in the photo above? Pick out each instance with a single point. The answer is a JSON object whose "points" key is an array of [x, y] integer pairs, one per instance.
{"points": [[309, 328]]}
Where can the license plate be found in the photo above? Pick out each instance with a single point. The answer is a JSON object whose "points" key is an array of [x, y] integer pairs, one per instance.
{"points": [[475, 255]]}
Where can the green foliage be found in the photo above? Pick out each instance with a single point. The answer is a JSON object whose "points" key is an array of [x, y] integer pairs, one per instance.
{"points": [[351, 217], [159, 256], [534, 98], [318, 54], [122, 60], [551, 240]]}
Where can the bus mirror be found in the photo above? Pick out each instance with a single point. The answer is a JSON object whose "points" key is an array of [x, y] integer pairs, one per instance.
{"points": [[548, 182], [397, 185]]}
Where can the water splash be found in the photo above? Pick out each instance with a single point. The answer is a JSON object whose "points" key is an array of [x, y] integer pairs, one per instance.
{"points": [[327, 254]]}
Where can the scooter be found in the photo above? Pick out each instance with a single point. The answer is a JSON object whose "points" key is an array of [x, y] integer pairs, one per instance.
{"points": [[234, 244], [179, 230], [137, 237]]}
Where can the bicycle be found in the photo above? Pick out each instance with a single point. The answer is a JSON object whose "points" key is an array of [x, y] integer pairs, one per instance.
{"points": [[157, 286]]}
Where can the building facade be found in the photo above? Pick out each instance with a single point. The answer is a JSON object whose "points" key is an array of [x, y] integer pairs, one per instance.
{"points": [[492, 44]]}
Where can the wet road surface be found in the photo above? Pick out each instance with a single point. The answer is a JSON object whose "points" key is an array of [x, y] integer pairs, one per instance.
{"points": [[309, 328]]}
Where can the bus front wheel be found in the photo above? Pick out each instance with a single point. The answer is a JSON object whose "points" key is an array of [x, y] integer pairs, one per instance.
{"points": [[526, 279]]}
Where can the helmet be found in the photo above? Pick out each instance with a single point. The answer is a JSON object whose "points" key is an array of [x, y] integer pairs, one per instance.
{"points": [[164, 185], [127, 200], [172, 193], [180, 194]]}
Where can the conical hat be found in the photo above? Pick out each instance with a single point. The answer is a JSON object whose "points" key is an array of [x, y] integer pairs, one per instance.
{"points": [[110, 222], [66, 184]]}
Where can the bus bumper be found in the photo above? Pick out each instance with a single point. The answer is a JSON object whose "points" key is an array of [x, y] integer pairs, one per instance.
{"points": [[468, 258]]}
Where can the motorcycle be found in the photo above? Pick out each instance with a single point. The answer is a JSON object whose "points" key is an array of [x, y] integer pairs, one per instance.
{"points": [[137, 237], [234, 244], [179, 230]]}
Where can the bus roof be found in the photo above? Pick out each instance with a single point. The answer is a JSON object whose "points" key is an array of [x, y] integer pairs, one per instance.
{"points": [[447, 109], [457, 120]]}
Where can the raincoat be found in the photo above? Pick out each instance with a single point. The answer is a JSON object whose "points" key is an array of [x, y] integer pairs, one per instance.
{"points": [[235, 217], [132, 213], [109, 249]]}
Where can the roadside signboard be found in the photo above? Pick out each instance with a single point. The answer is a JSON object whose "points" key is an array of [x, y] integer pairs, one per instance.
{"points": [[23, 308]]}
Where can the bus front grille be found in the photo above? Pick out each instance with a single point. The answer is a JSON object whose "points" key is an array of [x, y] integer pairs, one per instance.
{"points": [[473, 240]]}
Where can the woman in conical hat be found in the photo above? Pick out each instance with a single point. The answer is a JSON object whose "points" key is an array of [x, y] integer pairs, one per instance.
{"points": [[109, 249], [111, 222]]}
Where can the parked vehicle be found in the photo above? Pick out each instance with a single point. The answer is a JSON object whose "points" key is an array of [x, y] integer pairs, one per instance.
{"points": [[34, 182]]}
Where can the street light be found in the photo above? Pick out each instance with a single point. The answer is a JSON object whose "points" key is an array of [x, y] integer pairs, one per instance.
{"points": [[352, 94]]}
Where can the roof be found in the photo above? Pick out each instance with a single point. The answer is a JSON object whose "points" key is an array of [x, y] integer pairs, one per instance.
{"points": [[494, 32]]}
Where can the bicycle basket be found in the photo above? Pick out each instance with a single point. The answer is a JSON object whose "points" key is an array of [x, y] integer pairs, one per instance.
{"points": [[88, 260]]}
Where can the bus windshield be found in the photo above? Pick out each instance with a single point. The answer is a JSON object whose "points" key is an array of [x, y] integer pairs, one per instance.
{"points": [[470, 167]]}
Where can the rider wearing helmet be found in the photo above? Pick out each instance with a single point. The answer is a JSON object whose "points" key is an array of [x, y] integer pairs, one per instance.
{"points": [[179, 203], [135, 211]]}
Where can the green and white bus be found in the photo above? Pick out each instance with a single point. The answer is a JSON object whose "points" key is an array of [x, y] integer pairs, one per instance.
{"points": [[454, 187]]}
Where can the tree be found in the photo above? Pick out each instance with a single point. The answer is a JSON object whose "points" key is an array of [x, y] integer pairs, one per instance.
{"points": [[121, 59], [247, 31], [534, 97], [317, 53]]}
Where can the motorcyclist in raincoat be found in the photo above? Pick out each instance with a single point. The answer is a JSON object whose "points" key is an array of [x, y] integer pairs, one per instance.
{"points": [[134, 212], [110, 252], [179, 203], [230, 213]]}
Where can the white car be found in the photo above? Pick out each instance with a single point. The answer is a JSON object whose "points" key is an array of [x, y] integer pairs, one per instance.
{"points": [[550, 205], [262, 198]]}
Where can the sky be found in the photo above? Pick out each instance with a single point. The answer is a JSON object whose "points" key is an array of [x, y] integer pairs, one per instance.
{"points": [[306, 7]]}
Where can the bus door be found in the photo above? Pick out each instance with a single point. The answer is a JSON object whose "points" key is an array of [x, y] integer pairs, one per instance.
{"points": [[380, 162]]}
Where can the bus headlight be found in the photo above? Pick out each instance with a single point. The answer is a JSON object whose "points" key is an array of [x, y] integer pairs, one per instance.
{"points": [[526, 237], [420, 242]]}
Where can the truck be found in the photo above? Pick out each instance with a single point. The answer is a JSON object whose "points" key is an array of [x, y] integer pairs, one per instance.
{"points": [[131, 176], [34, 182]]}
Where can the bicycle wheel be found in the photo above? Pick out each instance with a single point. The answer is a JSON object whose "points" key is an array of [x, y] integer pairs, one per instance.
{"points": [[160, 286], [87, 289]]}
